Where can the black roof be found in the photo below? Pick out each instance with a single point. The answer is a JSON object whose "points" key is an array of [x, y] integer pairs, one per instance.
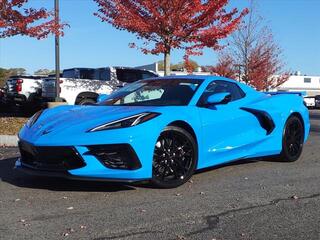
{"points": [[28, 76]]}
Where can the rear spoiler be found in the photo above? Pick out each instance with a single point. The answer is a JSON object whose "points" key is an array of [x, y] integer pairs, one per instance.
{"points": [[301, 94]]}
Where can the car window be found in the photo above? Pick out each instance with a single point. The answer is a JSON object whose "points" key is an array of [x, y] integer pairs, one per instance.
{"points": [[86, 74], [146, 94], [102, 74], [222, 87], [79, 73], [147, 75], [132, 75], [128, 75]]}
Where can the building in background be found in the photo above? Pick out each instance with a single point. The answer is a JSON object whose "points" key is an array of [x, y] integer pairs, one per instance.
{"points": [[299, 83], [296, 83]]}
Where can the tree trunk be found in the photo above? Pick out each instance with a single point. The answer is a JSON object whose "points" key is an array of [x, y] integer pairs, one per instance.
{"points": [[167, 64]]}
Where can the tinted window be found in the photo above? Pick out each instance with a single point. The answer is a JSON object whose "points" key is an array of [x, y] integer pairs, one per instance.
{"points": [[68, 74], [102, 74], [128, 75], [148, 75], [79, 73], [86, 74], [132, 75], [222, 87]]}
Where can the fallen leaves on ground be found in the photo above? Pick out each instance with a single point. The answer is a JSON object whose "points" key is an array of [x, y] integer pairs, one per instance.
{"points": [[11, 125]]}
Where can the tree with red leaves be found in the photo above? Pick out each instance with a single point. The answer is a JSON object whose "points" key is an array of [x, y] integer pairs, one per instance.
{"points": [[225, 66], [253, 56], [15, 20], [164, 25], [264, 66]]}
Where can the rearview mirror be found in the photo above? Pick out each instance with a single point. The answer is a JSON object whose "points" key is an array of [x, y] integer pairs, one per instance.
{"points": [[218, 98]]}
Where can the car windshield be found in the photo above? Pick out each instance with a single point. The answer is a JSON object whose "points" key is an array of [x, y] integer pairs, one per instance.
{"points": [[160, 92]]}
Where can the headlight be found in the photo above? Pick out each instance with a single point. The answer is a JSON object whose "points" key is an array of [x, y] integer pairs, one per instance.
{"points": [[126, 122], [33, 119]]}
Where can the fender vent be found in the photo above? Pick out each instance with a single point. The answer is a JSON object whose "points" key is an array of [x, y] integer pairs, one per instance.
{"points": [[263, 117]]}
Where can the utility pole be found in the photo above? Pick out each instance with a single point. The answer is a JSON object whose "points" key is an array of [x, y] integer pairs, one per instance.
{"points": [[57, 51]]}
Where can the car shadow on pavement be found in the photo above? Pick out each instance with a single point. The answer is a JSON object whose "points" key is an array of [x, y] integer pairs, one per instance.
{"points": [[240, 162], [9, 175]]}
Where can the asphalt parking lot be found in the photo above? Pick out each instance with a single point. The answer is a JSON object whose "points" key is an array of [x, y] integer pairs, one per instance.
{"points": [[245, 200]]}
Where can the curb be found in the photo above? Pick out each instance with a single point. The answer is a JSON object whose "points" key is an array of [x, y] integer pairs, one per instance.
{"points": [[8, 140]]}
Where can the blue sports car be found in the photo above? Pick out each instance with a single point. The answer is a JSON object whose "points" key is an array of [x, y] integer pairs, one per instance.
{"points": [[162, 130]]}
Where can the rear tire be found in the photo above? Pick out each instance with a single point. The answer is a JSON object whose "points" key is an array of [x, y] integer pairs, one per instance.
{"points": [[174, 159], [292, 139], [87, 101]]}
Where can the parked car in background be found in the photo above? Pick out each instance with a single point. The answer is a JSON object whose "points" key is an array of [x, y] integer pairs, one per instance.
{"points": [[23, 90], [310, 101], [317, 102], [2, 93], [81, 86]]}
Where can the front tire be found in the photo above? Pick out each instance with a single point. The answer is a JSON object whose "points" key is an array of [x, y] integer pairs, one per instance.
{"points": [[174, 159], [292, 139]]}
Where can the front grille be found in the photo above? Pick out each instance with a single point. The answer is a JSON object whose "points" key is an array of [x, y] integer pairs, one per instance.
{"points": [[115, 156], [50, 158]]}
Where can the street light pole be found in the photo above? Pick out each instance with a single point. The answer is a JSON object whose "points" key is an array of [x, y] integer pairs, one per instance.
{"points": [[57, 51]]}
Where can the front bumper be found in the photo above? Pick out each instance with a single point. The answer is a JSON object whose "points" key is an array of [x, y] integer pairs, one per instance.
{"points": [[134, 166], [15, 98], [66, 175], [73, 133]]}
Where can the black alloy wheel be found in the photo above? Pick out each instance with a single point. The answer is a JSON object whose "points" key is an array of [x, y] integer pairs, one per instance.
{"points": [[174, 159], [293, 138]]}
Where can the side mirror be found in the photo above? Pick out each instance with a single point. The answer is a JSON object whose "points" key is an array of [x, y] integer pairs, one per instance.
{"points": [[218, 98], [102, 97]]}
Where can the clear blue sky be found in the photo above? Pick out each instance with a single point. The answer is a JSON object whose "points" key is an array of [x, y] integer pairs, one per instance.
{"points": [[91, 43]]}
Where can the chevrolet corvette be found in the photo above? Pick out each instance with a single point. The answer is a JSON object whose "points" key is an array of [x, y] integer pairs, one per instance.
{"points": [[163, 130]]}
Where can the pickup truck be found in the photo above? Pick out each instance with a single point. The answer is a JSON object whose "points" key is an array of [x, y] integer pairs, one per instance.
{"points": [[81, 86], [23, 90]]}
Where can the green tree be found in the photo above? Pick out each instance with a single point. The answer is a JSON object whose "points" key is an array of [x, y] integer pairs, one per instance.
{"points": [[44, 72], [6, 73], [3, 76]]}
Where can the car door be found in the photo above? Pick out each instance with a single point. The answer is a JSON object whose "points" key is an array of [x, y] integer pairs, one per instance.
{"points": [[227, 130]]}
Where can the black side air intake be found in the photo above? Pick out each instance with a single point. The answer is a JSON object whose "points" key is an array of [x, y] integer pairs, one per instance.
{"points": [[263, 117]]}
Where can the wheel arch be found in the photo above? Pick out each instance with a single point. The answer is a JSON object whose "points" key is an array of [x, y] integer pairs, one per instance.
{"points": [[298, 115], [186, 126], [84, 95]]}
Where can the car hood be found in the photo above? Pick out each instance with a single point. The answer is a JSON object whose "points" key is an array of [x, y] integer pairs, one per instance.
{"points": [[80, 118]]}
